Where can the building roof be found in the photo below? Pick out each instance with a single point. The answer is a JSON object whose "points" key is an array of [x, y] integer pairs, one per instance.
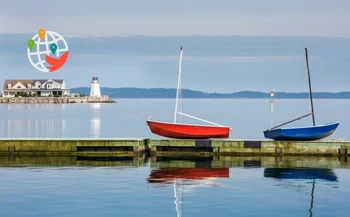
{"points": [[30, 81]]}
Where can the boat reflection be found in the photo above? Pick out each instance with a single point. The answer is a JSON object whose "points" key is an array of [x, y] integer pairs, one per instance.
{"points": [[314, 174], [184, 180], [301, 173], [169, 175], [190, 170]]}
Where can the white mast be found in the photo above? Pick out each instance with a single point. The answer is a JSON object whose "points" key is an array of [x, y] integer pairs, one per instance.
{"points": [[178, 86], [177, 97]]}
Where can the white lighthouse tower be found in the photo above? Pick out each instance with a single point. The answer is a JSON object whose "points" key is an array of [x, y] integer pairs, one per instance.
{"points": [[95, 87]]}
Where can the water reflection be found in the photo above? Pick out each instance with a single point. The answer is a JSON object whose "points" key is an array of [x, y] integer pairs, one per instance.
{"points": [[32, 106], [301, 173], [186, 173], [33, 128], [232, 189], [313, 174], [166, 169], [84, 161], [95, 121], [203, 176], [184, 180]]}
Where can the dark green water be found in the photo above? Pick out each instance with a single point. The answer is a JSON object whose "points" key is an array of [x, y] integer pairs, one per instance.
{"points": [[163, 186]]}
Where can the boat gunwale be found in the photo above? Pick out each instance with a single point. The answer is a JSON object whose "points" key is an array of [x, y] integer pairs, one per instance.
{"points": [[293, 128], [192, 125]]}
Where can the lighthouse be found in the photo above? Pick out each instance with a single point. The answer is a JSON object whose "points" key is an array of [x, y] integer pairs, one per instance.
{"points": [[95, 87]]}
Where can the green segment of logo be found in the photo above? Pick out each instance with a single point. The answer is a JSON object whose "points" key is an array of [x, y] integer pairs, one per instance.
{"points": [[31, 44]]}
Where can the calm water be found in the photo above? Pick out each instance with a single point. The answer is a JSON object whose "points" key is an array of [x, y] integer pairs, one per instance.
{"points": [[139, 186], [127, 118], [233, 186]]}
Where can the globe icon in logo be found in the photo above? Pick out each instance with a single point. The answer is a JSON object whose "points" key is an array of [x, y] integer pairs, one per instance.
{"points": [[47, 51]]}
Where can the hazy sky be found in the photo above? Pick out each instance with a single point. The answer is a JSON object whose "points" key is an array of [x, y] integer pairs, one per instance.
{"points": [[180, 17], [215, 63]]}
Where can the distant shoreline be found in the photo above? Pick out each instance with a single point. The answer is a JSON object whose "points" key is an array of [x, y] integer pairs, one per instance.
{"points": [[55, 100], [170, 93], [227, 98]]}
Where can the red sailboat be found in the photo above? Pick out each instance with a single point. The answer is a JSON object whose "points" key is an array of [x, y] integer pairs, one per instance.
{"points": [[187, 131]]}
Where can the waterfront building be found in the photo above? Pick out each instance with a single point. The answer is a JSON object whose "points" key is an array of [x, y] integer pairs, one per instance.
{"points": [[35, 87]]}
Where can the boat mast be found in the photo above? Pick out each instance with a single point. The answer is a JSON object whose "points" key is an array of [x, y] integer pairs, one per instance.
{"points": [[310, 92], [178, 86]]}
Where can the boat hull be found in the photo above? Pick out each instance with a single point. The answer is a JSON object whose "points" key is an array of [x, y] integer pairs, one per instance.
{"points": [[302, 133], [187, 131]]}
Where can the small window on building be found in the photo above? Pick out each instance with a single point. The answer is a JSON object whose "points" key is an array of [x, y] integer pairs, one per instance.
{"points": [[9, 86]]}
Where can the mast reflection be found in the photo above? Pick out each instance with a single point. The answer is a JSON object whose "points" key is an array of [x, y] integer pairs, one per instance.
{"points": [[302, 174], [186, 179]]}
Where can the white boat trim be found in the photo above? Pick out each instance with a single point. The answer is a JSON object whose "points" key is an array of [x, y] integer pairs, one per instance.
{"points": [[194, 125], [291, 128], [199, 119]]}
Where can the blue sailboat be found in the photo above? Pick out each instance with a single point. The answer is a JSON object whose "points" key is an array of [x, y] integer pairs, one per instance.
{"points": [[307, 133]]}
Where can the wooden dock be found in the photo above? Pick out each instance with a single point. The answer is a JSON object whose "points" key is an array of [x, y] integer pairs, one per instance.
{"points": [[231, 147], [170, 147], [73, 146]]}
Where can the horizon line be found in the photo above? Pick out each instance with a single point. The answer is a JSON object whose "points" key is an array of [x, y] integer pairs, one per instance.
{"points": [[256, 91]]}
